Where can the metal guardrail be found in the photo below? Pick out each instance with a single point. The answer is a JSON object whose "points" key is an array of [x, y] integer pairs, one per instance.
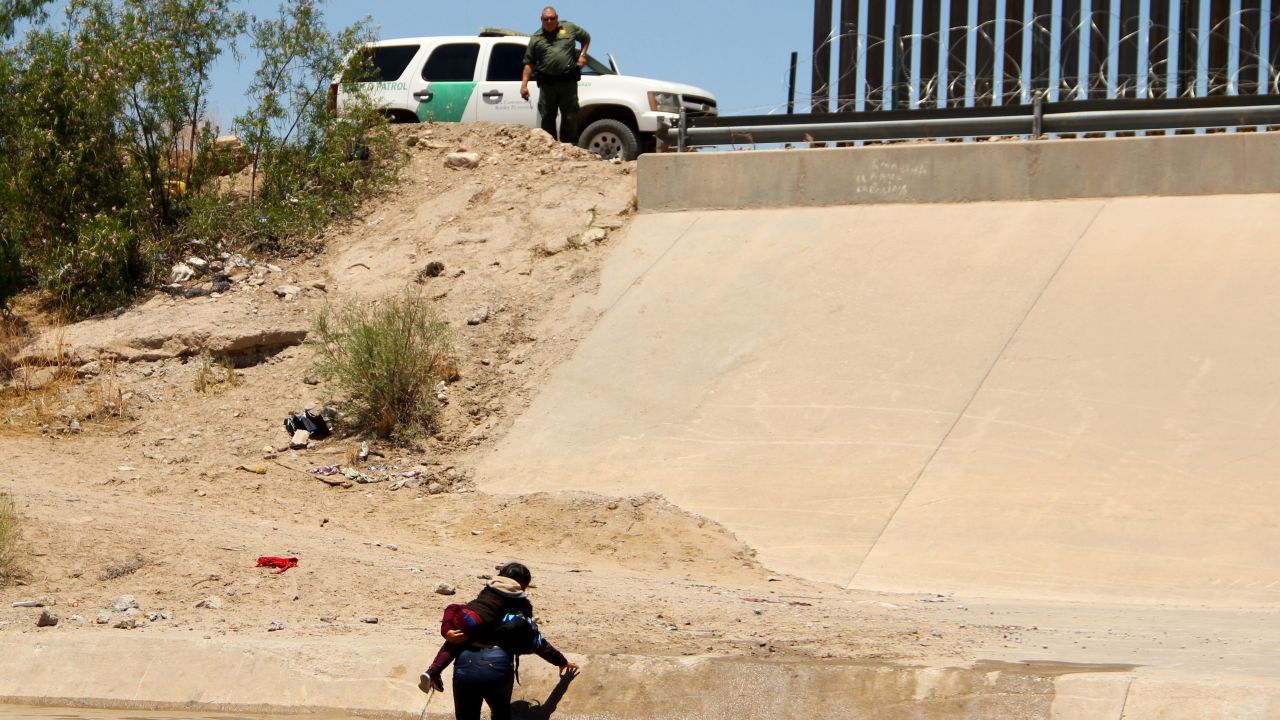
{"points": [[1034, 120]]}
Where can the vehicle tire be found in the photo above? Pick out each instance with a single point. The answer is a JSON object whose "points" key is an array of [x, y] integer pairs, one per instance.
{"points": [[610, 139]]}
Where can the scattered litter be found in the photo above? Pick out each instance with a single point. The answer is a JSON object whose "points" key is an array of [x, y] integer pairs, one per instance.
{"points": [[256, 469], [28, 604], [275, 626], [181, 272], [359, 477], [370, 620], [301, 439], [278, 562], [325, 470], [363, 454]]}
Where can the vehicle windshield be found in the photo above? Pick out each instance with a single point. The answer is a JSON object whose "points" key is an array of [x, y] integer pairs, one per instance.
{"points": [[595, 67]]}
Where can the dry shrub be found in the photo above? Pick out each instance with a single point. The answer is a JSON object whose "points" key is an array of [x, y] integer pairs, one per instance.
{"points": [[215, 376], [10, 556], [13, 335], [387, 359], [45, 392]]}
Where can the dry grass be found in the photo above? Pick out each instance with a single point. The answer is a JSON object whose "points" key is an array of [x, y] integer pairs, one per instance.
{"points": [[39, 394], [13, 335], [10, 555], [215, 376]]}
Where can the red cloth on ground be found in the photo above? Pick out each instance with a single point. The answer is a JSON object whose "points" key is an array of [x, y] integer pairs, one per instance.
{"points": [[278, 562]]}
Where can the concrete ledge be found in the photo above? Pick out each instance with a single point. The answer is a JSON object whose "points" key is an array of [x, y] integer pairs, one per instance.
{"points": [[245, 675], [960, 172]]}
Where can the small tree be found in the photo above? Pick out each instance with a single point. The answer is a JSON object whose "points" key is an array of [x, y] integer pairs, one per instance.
{"points": [[14, 11], [164, 51], [309, 165], [67, 171], [12, 279], [387, 359]]}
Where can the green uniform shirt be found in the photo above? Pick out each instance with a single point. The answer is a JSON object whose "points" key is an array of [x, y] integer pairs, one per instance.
{"points": [[553, 54]]}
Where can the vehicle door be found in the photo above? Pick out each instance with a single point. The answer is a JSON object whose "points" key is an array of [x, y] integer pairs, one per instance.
{"points": [[380, 76], [445, 88], [499, 90]]}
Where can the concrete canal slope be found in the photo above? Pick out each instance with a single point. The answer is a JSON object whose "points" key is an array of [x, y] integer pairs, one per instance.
{"points": [[264, 676], [1071, 399]]}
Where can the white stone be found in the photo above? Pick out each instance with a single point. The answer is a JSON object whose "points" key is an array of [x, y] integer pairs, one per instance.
{"points": [[555, 246], [181, 273], [462, 161], [594, 235]]}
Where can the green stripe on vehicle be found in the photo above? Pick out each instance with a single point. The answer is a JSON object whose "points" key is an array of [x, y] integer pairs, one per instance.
{"points": [[448, 102]]}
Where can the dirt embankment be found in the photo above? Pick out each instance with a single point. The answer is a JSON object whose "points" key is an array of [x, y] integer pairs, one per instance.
{"points": [[172, 481]]}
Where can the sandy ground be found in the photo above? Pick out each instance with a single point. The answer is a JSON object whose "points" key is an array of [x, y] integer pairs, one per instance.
{"points": [[160, 475]]}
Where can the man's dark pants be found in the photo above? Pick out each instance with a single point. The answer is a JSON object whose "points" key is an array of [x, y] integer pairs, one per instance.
{"points": [[483, 676], [559, 96]]}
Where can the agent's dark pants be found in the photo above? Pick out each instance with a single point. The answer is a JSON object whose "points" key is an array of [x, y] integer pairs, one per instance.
{"points": [[559, 96], [483, 676]]}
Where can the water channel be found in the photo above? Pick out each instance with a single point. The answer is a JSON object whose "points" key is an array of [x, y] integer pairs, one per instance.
{"points": [[22, 712]]}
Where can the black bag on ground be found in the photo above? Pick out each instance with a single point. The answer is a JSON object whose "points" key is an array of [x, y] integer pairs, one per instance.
{"points": [[313, 424]]}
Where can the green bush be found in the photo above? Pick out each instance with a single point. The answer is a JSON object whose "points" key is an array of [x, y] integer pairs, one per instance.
{"points": [[102, 269], [386, 358], [10, 565], [12, 278], [106, 151]]}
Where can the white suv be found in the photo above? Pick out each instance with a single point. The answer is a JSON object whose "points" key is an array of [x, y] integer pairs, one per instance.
{"points": [[474, 78]]}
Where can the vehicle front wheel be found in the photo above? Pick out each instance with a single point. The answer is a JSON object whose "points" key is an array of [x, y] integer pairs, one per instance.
{"points": [[610, 139]]}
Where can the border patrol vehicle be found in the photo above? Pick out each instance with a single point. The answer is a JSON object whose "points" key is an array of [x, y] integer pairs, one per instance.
{"points": [[476, 78]]}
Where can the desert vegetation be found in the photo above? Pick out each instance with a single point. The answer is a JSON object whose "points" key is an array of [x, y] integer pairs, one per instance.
{"points": [[111, 169], [10, 565], [386, 359]]}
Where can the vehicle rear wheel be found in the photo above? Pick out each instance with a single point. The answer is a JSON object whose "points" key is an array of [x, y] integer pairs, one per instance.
{"points": [[610, 139]]}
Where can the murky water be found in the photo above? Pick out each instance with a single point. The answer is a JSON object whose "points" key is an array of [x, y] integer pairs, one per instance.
{"points": [[21, 712]]}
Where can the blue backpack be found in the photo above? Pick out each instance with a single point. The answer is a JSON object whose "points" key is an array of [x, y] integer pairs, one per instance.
{"points": [[517, 634]]}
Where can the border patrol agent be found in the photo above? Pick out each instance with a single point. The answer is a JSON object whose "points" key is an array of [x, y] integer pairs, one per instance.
{"points": [[553, 54]]}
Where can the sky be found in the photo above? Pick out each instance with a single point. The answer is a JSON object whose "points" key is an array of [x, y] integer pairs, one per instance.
{"points": [[740, 50]]}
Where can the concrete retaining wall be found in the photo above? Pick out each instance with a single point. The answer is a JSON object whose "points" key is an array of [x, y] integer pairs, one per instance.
{"points": [[962, 172], [133, 672]]}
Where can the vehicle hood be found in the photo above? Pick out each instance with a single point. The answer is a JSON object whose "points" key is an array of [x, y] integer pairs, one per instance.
{"points": [[665, 86]]}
